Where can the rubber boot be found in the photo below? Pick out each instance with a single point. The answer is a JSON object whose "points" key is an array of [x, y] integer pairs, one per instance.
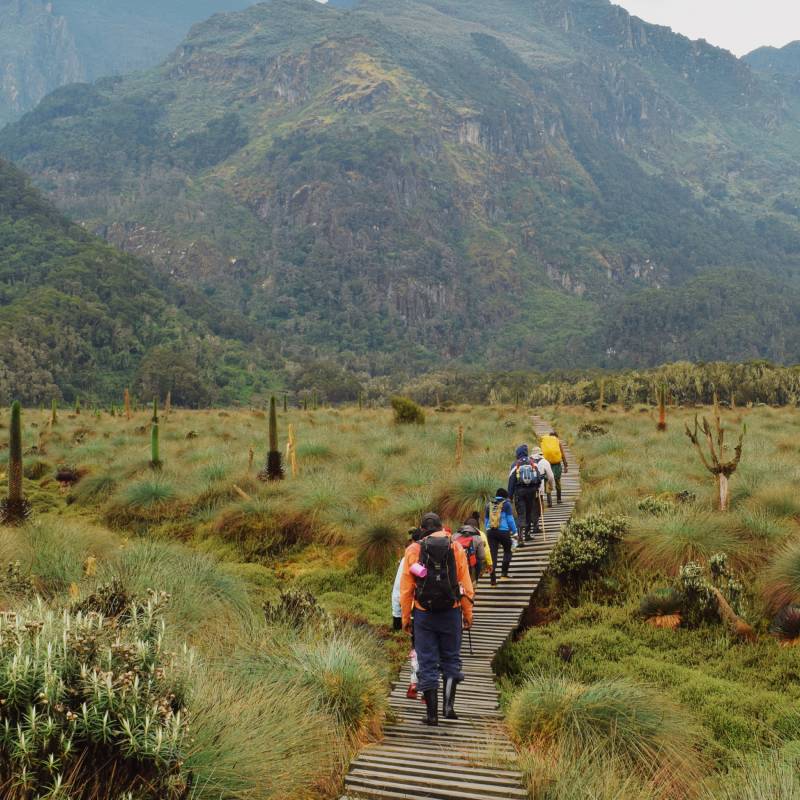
{"points": [[529, 531], [521, 536], [549, 499], [449, 699], [558, 496], [432, 707]]}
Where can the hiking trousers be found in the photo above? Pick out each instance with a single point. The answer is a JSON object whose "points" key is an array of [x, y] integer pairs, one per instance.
{"points": [[558, 471], [437, 640], [498, 539], [528, 509]]}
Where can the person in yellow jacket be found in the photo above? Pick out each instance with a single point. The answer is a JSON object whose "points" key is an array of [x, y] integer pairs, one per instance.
{"points": [[553, 451], [436, 585]]}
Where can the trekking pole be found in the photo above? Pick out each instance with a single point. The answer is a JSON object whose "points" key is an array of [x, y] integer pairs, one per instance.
{"points": [[469, 639]]}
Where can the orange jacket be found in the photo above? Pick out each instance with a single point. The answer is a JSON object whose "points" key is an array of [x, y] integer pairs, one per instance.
{"points": [[408, 582]]}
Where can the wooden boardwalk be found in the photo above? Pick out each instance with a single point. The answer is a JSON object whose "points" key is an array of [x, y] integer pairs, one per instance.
{"points": [[414, 762]]}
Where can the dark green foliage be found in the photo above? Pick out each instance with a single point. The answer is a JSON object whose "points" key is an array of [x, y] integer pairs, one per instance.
{"points": [[375, 244], [661, 603], [786, 625], [296, 608], [15, 508], [76, 710], [585, 546], [219, 139], [407, 412]]}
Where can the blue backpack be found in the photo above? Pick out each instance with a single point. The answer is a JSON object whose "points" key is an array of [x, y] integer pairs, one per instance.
{"points": [[528, 474]]}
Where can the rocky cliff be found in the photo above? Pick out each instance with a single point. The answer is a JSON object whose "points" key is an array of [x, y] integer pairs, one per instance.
{"points": [[413, 181]]}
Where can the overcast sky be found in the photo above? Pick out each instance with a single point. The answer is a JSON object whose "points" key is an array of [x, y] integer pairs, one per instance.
{"points": [[738, 25]]}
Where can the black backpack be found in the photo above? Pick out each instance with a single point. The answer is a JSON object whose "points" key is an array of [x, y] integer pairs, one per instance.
{"points": [[438, 590]]}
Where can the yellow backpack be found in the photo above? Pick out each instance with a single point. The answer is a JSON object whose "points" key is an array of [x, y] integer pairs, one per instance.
{"points": [[551, 449]]}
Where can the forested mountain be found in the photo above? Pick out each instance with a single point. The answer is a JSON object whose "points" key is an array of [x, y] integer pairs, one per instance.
{"points": [[45, 44], [78, 318], [413, 181]]}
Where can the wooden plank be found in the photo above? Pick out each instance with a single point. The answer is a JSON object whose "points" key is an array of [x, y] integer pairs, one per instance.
{"points": [[394, 768]]}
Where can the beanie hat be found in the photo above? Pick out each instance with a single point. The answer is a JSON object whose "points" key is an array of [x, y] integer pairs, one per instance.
{"points": [[522, 451], [431, 522], [501, 493]]}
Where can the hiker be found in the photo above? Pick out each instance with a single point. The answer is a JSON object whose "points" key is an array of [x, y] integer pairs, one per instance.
{"points": [[469, 537], [435, 585], [553, 451], [474, 521], [525, 482], [397, 618], [500, 526]]}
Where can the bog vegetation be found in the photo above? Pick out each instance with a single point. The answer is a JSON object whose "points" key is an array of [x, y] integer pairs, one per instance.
{"points": [[665, 662], [208, 631]]}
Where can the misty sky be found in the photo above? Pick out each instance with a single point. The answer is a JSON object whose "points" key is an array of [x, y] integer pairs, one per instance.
{"points": [[738, 25]]}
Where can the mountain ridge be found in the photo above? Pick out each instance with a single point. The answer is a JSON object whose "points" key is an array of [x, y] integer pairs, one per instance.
{"points": [[371, 183]]}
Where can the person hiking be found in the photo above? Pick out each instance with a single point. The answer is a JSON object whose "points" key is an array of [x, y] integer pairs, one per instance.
{"points": [[469, 537], [543, 465], [500, 525], [524, 485], [436, 587], [474, 521], [397, 618], [553, 451]]}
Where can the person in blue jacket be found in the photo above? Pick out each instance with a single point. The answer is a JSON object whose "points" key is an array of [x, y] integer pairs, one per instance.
{"points": [[500, 526]]}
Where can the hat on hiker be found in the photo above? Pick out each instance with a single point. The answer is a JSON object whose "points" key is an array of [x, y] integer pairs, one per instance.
{"points": [[501, 493], [522, 451], [537, 451], [431, 522], [468, 530]]}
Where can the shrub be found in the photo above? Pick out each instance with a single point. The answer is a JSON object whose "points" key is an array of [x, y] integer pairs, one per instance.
{"points": [[407, 412], [662, 608], [585, 546], [613, 718], [765, 776], [786, 626], [90, 704], [93, 489], [656, 506], [295, 609]]}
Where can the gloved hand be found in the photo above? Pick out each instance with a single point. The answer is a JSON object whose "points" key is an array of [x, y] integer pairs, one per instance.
{"points": [[397, 623]]}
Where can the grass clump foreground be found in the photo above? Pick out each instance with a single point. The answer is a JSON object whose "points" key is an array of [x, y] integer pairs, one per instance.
{"points": [[664, 662], [237, 631]]}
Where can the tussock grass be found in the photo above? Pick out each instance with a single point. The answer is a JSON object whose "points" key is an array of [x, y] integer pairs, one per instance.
{"points": [[379, 546], [616, 719], [782, 578], [466, 493], [667, 542]]}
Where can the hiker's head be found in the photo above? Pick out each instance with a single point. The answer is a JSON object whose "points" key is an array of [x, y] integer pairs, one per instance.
{"points": [[553, 433], [522, 451], [501, 493], [536, 452], [431, 523], [467, 530], [472, 520]]}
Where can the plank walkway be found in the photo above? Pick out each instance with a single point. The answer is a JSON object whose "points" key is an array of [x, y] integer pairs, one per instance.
{"points": [[414, 762]]}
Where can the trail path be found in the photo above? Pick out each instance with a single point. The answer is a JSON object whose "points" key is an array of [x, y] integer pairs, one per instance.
{"points": [[414, 762]]}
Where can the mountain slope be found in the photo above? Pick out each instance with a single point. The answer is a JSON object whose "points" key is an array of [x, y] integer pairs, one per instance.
{"points": [[776, 60], [410, 182], [79, 318], [48, 43]]}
